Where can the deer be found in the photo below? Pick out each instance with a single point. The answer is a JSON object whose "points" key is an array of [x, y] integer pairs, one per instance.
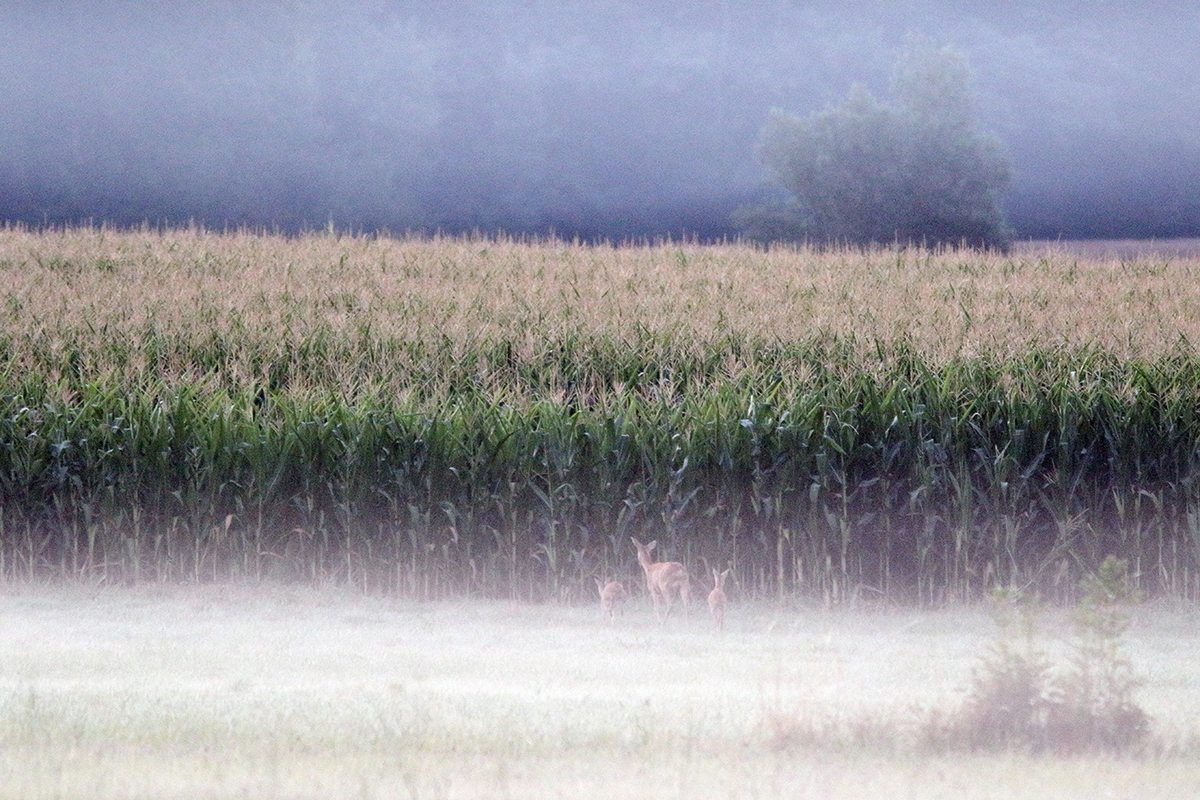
{"points": [[716, 598], [663, 579], [612, 593]]}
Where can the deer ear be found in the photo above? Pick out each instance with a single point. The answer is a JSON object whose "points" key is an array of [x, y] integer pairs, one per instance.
{"points": [[651, 545]]}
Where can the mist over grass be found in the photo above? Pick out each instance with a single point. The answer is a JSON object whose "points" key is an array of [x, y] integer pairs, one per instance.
{"points": [[294, 692]]}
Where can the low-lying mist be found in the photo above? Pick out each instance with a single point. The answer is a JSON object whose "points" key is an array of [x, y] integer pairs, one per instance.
{"points": [[235, 690]]}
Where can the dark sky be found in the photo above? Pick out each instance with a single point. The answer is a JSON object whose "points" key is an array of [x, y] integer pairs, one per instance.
{"points": [[591, 118]]}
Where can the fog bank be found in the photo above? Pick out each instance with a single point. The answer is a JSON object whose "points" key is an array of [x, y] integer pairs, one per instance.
{"points": [[615, 119]]}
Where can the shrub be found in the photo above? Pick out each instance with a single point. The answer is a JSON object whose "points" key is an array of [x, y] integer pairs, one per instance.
{"points": [[1018, 701], [1091, 704], [1006, 705]]}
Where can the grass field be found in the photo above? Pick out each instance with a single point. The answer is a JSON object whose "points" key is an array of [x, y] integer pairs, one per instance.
{"points": [[228, 691]]}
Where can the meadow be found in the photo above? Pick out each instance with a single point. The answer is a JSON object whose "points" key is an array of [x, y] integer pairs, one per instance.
{"points": [[292, 692], [494, 418]]}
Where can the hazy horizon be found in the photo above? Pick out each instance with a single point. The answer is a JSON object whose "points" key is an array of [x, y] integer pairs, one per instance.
{"points": [[613, 120]]}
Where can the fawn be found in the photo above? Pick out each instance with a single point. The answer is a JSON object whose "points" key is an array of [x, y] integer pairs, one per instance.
{"points": [[612, 593], [716, 598], [663, 579]]}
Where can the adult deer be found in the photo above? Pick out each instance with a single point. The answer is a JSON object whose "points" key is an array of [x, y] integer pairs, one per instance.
{"points": [[611, 593], [663, 579]]}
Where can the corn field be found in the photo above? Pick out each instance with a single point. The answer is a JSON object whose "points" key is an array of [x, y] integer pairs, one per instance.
{"points": [[447, 417]]}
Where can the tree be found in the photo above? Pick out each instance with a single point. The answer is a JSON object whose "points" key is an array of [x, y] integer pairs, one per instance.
{"points": [[916, 170]]}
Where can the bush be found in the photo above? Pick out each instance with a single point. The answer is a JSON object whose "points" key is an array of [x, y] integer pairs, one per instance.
{"points": [[1092, 705], [913, 171], [1017, 701], [1006, 706]]}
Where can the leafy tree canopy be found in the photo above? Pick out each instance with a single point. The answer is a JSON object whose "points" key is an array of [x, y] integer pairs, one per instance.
{"points": [[916, 169]]}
